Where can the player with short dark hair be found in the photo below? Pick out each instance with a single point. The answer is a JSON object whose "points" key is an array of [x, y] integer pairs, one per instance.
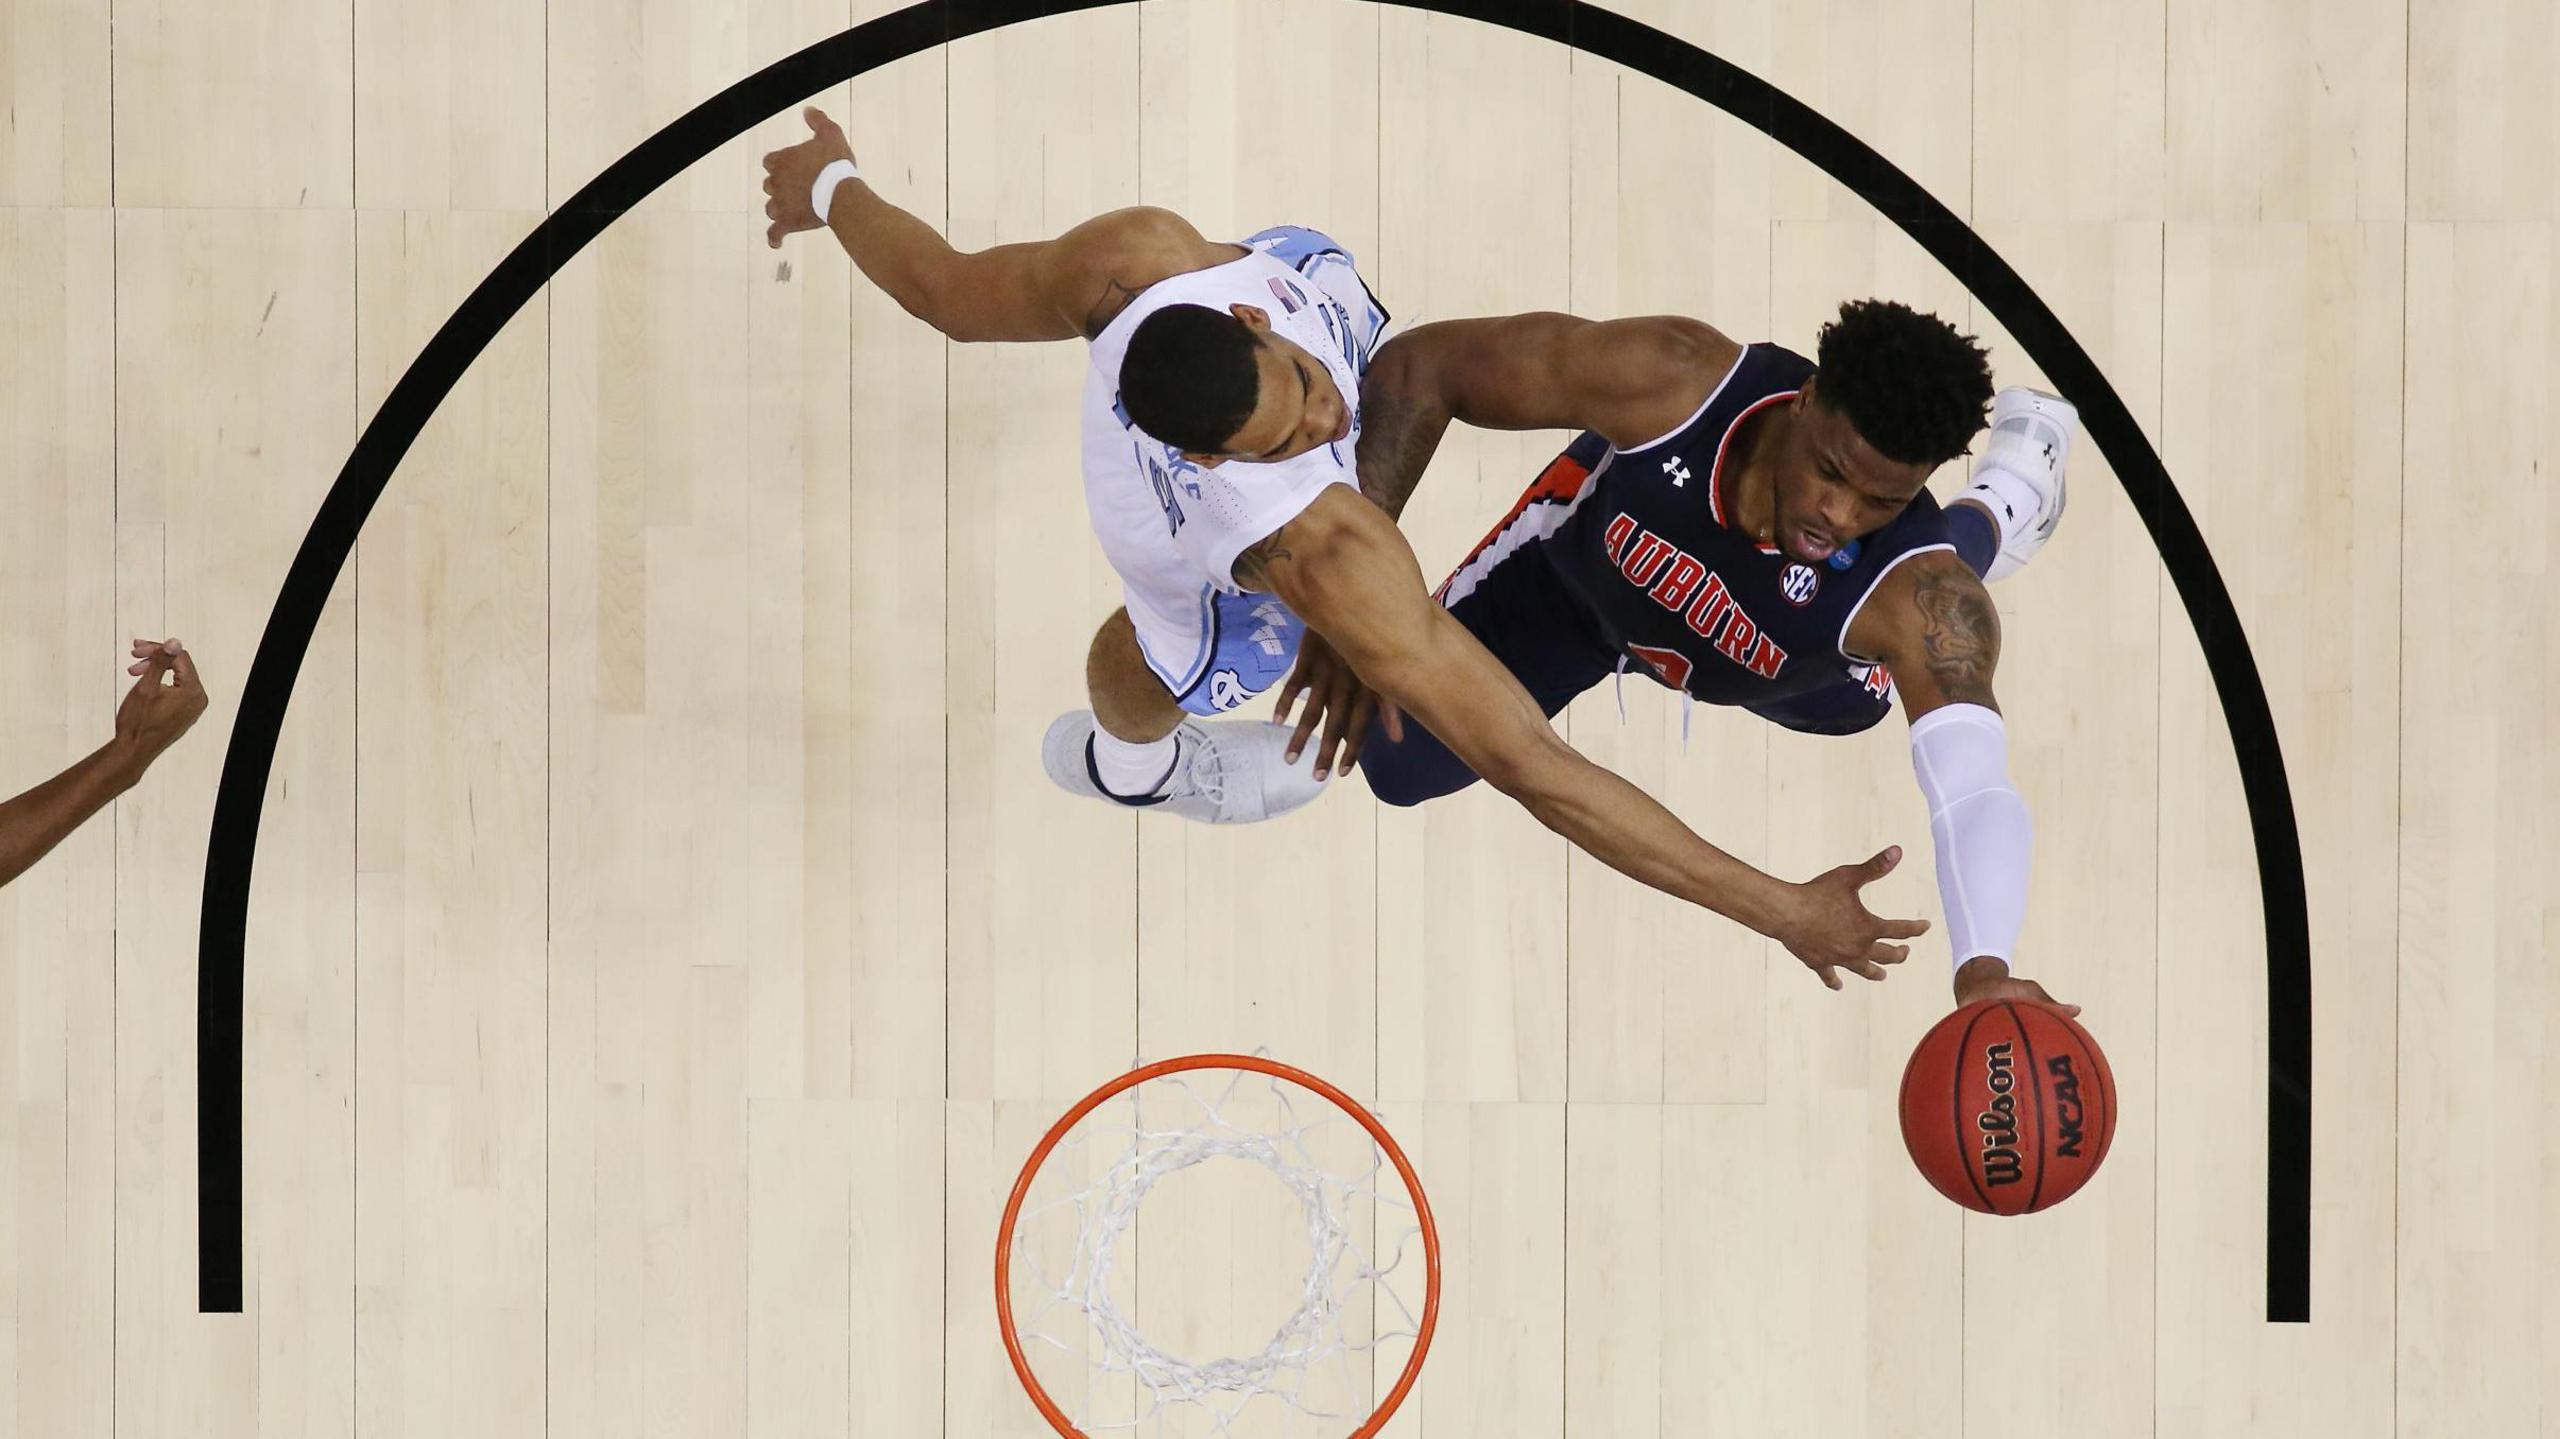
{"points": [[1748, 527], [1191, 377], [1913, 389]]}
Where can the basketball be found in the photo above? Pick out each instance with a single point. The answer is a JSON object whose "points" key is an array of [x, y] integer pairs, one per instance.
{"points": [[2008, 1107]]}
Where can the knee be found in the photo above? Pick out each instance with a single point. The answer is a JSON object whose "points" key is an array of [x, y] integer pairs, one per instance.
{"points": [[1400, 777], [1114, 645], [1393, 788]]}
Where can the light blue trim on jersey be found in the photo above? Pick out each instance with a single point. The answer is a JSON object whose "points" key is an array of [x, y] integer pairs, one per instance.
{"points": [[1182, 682], [1295, 245], [1252, 645], [1312, 251]]}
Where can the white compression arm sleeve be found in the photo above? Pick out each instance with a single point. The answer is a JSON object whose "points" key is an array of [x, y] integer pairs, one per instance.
{"points": [[1984, 837]]}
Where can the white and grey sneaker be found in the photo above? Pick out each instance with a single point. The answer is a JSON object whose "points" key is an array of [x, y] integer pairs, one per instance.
{"points": [[1224, 771], [2018, 475]]}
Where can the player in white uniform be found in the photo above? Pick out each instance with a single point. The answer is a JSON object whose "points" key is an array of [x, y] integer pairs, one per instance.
{"points": [[1173, 526], [1218, 435]]}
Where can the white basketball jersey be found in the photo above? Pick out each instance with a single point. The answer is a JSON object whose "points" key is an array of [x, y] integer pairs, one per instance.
{"points": [[1173, 529]]}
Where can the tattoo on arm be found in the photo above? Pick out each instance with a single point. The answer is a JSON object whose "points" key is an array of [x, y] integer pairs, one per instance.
{"points": [[1253, 565], [1959, 634], [1107, 306], [1397, 439]]}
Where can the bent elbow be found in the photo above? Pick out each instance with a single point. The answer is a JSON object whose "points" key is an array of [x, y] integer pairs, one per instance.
{"points": [[1393, 366]]}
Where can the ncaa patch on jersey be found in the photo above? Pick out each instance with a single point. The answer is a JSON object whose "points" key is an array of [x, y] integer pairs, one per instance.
{"points": [[1800, 583]]}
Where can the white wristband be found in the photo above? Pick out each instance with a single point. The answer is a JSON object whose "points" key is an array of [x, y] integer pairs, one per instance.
{"points": [[822, 192]]}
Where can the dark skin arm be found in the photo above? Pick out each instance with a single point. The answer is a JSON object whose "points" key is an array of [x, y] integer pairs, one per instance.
{"points": [[151, 718], [1038, 290], [1933, 624], [1346, 569], [1934, 627], [1630, 380]]}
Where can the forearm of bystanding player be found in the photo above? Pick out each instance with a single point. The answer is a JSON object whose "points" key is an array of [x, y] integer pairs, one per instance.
{"points": [[34, 822]]}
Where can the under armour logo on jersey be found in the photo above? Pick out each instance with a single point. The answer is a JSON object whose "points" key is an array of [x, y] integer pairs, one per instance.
{"points": [[1678, 472]]}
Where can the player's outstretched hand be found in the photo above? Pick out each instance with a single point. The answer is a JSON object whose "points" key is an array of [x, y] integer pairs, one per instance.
{"points": [[154, 714], [1832, 929], [1984, 977], [1338, 701], [788, 174]]}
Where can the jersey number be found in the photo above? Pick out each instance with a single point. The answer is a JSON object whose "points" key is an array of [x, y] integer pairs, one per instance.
{"points": [[1162, 479], [1669, 666]]}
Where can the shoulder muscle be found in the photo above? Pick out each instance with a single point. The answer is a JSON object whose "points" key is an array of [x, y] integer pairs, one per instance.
{"points": [[1640, 378], [1098, 267], [1631, 380]]}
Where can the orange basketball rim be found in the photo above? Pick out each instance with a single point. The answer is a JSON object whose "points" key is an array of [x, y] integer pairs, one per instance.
{"points": [[1236, 1065]]}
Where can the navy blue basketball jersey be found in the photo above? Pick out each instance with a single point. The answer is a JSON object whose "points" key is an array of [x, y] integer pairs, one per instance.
{"points": [[1671, 583]]}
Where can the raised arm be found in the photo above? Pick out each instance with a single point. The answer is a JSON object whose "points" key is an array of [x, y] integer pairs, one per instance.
{"points": [[151, 718], [1039, 290], [1348, 572], [1631, 380], [1932, 624]]}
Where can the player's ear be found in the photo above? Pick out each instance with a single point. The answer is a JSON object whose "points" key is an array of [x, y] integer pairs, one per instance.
{"points": [[1255, 317]]}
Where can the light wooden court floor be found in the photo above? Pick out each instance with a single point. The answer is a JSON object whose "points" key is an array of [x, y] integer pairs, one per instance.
{"points": [[665, 945]]}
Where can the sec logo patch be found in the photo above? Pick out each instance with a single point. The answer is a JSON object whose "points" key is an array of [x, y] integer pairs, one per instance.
{"points": [[1800, 583]]}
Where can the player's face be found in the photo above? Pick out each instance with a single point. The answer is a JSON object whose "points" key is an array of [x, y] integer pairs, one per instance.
{"points": [[1298, 409], [1832, 486]]}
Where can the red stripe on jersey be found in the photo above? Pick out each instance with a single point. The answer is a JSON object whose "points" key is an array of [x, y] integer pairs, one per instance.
{"points": [[1560, 481]]}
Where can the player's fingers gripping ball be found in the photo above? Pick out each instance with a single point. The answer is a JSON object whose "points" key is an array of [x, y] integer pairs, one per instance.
{"points": [[2008, 1107]]}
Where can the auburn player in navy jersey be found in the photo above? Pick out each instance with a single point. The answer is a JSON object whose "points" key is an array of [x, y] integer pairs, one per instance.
{"points": [[1748, 527]]}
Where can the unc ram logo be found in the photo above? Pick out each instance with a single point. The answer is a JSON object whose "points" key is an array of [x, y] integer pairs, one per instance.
{"points": [[1226, 691], [1800, 583]]}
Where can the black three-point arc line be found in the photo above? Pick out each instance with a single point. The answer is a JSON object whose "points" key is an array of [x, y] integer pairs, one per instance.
{"points": [[230, 857]]}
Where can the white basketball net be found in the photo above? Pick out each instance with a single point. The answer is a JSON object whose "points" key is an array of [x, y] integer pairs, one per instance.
{"points": [[1072, 1290]]}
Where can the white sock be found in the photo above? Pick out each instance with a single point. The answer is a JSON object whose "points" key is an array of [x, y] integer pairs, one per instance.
{"points": [[1129, 770]]}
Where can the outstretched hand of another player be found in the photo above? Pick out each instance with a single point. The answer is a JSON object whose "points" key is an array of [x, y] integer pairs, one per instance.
{"points": [[154, 714], [788, 175], [1337, 700], [1833, 930], [1984, 977]]}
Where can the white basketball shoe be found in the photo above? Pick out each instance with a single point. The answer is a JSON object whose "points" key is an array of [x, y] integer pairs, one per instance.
{"points": [[1224, 771], [2018, 476]]}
